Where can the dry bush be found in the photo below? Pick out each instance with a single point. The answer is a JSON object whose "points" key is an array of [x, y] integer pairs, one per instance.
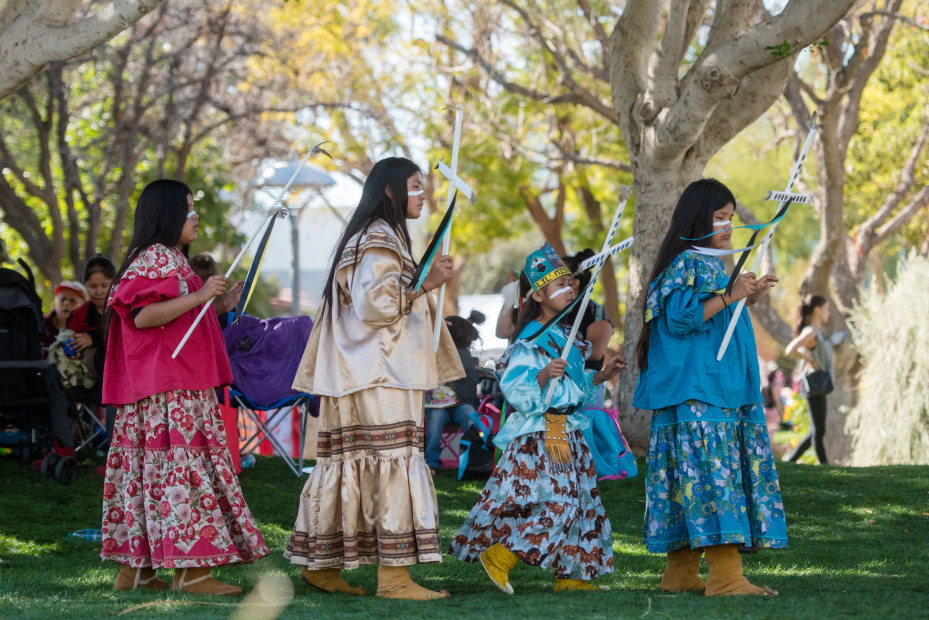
{"points": [[890, 423]]}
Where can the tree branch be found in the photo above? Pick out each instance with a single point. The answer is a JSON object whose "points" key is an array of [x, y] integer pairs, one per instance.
{"points": [[920, 201], [633, 35], [867, 236], [717, 74], [895, 15], [666, 62], [590, 161], [33, 40], [498, 77]]}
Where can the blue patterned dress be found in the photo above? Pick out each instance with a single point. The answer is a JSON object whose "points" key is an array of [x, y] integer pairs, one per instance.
{"points": [[546, 518], [711, 478]]}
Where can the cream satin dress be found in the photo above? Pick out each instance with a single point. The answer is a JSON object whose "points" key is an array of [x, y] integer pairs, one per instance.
{"points": [[370, 498]]}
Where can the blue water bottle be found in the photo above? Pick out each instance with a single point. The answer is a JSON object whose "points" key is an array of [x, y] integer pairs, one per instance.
{"points": [[91, 535], [70, 349], [247, 461]]}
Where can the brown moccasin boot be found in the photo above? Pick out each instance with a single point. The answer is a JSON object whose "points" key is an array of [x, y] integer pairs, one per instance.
{"points": [[129, 578], [682, 574], [725, 577], [199, 581], [395, 582], [329, 580]]}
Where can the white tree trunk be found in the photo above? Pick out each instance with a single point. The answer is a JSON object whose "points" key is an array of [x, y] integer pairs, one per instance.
{"points": [[33, 34]]}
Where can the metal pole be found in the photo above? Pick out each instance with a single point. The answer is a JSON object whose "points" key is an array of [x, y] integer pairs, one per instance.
{"points": [[295, 264]]}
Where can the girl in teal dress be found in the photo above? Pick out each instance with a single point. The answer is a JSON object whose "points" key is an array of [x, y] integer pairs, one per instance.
{"points": [[711, 484], [541, 504]]}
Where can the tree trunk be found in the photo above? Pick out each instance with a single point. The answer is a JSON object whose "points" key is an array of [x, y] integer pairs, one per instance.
{"points": [[657, 188]]}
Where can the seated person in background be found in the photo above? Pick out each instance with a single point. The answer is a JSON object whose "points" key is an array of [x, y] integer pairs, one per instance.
{"points": [[87, 320], [87, 323], [68, 296], [264, 353], [453, 402]]}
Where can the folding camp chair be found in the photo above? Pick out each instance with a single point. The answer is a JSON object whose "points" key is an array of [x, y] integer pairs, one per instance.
{"points": [[275, 413]]}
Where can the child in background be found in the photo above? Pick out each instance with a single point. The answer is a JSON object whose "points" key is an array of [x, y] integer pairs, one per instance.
{"points": [[711, 483], [171, 498], [541, 504], [87, 320], [68, 296]]}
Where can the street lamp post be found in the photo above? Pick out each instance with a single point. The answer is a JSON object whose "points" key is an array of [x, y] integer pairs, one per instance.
{"points": [[310, 179]]}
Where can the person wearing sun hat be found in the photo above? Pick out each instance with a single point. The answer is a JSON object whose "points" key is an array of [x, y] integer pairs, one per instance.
{"points": [[68, 296], [541, 504]]}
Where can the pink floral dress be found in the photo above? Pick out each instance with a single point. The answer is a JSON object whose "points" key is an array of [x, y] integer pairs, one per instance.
{"points": [[171, 498]]}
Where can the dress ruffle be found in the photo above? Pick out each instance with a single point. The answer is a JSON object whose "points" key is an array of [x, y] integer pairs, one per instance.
{"points": [[547, 519], [711, 479], [370, 498], [391, 522]]}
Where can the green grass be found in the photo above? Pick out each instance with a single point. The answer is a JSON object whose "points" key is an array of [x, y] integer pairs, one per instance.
{"points": [[859, 548]]}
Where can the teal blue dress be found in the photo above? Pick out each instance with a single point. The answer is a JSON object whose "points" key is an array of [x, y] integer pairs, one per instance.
{"points": [[711, 478]]}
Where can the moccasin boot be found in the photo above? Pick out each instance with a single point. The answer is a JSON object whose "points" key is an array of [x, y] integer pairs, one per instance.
{"points": [[395, 582], [682, 574], [329, 580], [498, 561], [725, 577], [575, 584], [199, 581], [129, 578]]}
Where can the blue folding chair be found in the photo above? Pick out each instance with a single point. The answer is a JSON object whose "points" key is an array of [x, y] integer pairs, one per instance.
{"points": [[275, 413]]}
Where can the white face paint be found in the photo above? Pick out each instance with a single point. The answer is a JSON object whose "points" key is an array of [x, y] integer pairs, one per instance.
{"points": [[722, 224], [561, 291], [418, 192]]}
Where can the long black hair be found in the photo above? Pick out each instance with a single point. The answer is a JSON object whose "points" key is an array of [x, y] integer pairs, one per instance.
{"points": [[807, 305], [692, 218], [375, 204], [530, 309], [583, 277], [160, 215]]}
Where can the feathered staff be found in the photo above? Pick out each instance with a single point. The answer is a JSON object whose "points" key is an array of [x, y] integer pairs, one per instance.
{"points": [[273, 213]]}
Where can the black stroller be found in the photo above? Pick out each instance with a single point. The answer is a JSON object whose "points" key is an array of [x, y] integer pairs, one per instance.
{"points": [[23, 399]]}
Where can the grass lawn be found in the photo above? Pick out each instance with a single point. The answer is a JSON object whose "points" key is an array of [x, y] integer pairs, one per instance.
{"points": [[859, 548]]}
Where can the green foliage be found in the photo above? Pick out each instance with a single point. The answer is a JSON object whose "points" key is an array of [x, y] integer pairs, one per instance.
{"points": [[890, 423], [893, 113], [858, 541], [786, 50]]}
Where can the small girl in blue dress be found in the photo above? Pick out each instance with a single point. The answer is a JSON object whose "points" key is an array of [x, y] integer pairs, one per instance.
{"points": [[711, 484], [541, 504]]}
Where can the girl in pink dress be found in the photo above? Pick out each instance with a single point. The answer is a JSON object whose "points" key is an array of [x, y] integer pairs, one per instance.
{"points": [[171, 498]]}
